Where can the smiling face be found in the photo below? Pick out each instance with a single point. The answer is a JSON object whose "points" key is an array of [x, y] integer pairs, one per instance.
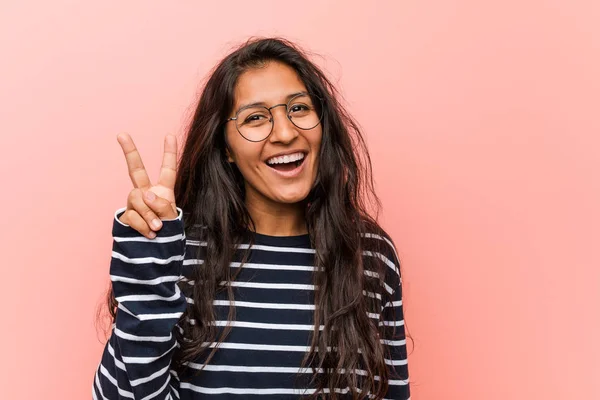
{"points": [[275, 83]]}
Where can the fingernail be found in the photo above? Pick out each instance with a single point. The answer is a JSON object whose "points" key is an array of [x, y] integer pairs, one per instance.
{"points": [[156, 223], [150, 195], [152, 235]]}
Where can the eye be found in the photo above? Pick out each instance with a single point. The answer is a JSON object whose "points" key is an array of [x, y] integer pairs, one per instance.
{"points": [[255, 117], [299, 108]]}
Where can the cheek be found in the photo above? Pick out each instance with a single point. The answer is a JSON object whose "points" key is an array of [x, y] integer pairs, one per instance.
{"points": [[245, 154], [235, 143]]}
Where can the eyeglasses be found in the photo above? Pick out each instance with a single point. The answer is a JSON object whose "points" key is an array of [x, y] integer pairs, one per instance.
{"points": [[255, 123]]}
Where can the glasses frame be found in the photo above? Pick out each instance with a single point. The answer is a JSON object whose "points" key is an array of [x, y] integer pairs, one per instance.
{"points": [[272, 119]]}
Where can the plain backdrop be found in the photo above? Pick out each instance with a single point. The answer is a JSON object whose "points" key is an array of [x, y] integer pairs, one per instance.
{"points": [[482, 118]]}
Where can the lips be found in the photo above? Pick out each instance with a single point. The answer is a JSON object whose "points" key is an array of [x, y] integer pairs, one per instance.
{"points": [[288, 170], [287, 153]]}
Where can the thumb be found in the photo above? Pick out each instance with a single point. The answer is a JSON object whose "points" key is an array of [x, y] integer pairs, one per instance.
{"points": [[161, 206]]}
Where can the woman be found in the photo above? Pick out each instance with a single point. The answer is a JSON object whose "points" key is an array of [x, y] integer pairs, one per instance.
{"points": [[220, 270]]}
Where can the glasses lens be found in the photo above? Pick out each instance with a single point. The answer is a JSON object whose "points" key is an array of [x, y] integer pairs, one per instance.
{"points": [[254, 123], [304, 113]]}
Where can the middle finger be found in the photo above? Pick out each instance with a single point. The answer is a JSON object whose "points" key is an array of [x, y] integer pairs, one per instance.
{"points": [[137, 171]]}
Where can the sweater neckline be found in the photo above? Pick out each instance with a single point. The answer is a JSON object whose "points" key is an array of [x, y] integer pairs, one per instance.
{"points": [[282, 241]]}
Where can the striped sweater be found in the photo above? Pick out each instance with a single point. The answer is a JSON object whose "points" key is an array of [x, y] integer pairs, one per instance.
{"points": [[274, 305]]}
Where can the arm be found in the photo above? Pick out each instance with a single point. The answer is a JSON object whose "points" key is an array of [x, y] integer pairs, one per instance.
{"points": [[144, 274], [394, 336]]}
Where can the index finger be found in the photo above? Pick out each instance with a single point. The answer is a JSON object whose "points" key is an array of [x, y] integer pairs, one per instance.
{"points": [[137, 171], [168, 169]]}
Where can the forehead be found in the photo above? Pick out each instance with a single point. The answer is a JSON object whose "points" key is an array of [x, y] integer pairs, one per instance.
{"points": [[270, 84]]}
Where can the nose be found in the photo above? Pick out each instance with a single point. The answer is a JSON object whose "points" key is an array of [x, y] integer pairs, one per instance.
{"points": [[283, 129]]}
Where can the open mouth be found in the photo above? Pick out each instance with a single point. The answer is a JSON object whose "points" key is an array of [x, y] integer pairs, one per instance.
{"points": [[288, 166]]}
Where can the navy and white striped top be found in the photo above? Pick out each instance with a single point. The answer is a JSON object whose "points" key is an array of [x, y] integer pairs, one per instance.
{"points": [[270, 335]]}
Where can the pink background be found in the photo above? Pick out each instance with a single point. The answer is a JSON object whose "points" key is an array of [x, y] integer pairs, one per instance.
{"points": [[482, 119]]}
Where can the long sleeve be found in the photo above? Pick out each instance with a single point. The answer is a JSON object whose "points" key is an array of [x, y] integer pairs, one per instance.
{"points": [[144, 273], [394, 337]]}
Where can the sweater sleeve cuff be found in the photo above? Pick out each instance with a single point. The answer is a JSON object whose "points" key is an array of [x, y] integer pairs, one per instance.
{"points": [[169, 226]]}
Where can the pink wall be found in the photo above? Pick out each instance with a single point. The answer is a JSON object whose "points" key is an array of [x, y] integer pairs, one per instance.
{"points": [[483, 121]]}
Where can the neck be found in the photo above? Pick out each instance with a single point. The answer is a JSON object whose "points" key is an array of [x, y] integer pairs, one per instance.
{"points": [[277, 219]]}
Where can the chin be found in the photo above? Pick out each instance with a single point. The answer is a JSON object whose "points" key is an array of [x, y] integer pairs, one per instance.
{"points": [[290, 197]]}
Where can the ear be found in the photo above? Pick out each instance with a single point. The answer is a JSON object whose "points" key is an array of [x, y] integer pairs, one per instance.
{"points": [[228, 154]]}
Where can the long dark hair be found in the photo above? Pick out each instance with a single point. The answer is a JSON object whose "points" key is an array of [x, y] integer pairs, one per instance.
{"points": [[341, 207]]}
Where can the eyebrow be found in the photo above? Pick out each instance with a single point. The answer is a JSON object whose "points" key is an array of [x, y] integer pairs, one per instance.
{"points": [[263, 104]]}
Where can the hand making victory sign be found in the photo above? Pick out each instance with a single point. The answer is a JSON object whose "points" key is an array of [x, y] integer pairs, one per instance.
{"points": [[148, 204]]}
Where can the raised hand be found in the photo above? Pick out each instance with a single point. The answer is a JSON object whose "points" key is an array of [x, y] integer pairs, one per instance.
{"points": [[148, 204]]}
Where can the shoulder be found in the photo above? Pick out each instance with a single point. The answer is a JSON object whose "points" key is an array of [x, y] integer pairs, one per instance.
{"points": [[378, 243]]}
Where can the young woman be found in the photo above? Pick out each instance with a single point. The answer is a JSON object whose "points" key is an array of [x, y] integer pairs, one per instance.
{"points": [[253, 266]]}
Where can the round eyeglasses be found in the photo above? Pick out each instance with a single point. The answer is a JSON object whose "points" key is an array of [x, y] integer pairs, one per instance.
{"points": [[255, 123]]}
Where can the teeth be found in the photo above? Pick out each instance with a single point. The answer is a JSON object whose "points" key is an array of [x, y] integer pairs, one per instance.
{"points": [[286, 159]]}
